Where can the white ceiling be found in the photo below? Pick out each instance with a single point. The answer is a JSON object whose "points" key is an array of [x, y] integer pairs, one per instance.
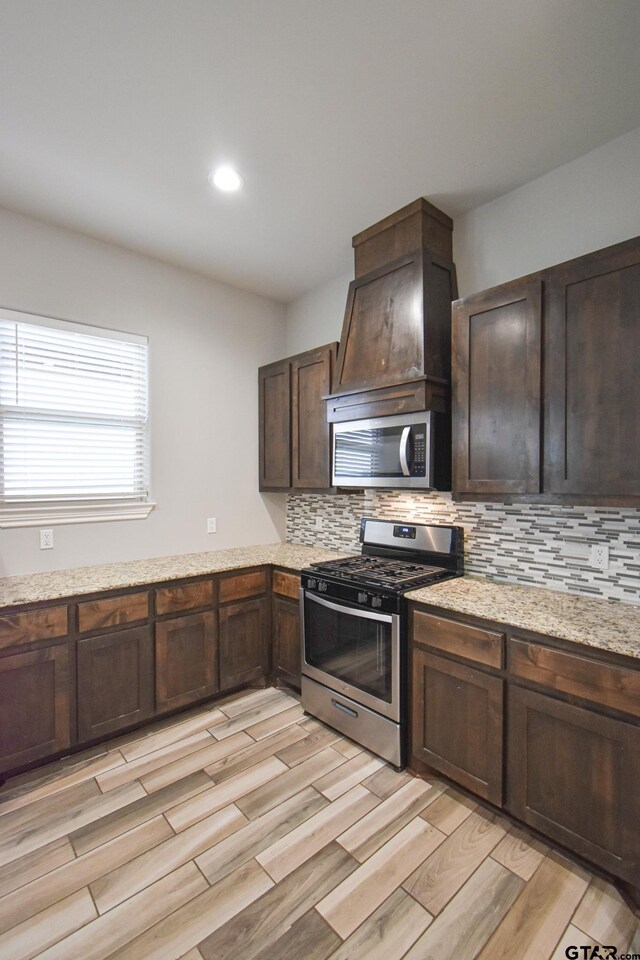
{"points": [[336, 112]]}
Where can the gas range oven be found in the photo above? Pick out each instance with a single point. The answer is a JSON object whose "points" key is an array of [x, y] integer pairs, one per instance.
{"points": [[354, 629]]}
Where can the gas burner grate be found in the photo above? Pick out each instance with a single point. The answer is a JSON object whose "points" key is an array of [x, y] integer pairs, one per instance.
{"points": [[379, 571]]}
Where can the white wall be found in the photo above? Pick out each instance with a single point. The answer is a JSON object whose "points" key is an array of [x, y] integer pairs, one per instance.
{"points": [[316, 317], [587, 204], [584, 205], [206, 343]]}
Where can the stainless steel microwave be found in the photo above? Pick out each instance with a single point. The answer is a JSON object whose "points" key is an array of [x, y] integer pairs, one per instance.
{"points": [[393, 452]]}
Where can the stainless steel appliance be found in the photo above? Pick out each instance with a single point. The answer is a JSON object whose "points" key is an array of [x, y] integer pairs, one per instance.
{"points": [[385, 452], [354, 629]]}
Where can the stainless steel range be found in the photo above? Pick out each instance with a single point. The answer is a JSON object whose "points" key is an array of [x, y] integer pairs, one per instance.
{"points": [[354, 629]]}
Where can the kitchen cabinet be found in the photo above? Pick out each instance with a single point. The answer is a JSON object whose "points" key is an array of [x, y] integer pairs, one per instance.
{"points": [[186, 660], [545, 729], [591, 371], [456, 722], [244, 643], [275, 426], [286, 649], [497, 407], [35, 704], [574, 328], [573, 775], [295, 437], [115, 682], [286, 643]]}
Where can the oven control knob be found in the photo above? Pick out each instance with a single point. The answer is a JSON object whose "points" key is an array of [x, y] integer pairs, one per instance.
{"points": [[322, 587], [362, 598], [376, 602], [312, 584]]}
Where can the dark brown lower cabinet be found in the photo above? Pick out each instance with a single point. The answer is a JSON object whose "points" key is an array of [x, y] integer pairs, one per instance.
{"points": [[244, 642], [457, 714], [186, 660], [574, 775], [115, 682], [285, 632], [34, 705]]}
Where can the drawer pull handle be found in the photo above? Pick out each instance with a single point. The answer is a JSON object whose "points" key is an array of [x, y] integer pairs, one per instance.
{"points": [[347, 710]]}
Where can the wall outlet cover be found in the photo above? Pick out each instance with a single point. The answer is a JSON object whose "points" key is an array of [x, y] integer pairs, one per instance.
{"points": [[46, 539], [600, 556]]}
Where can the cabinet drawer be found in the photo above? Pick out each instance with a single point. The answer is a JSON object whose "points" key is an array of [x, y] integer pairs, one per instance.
{"points": [[449, 636], [243, 585], [601, 683], [94, 614], [187, 597], [286, 584], [46, 624]]}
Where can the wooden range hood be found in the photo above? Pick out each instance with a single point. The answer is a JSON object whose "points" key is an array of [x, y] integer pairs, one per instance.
{"points": [[395, 348]]}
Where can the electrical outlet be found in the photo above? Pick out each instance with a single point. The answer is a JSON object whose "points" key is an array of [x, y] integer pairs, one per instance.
{"points": [[600, 556], [46, 539], [211, 525], [319, 523]]}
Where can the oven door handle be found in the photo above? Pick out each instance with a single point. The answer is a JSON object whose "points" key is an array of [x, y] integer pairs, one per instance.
{"points": [[404, 450], [349, 611]]}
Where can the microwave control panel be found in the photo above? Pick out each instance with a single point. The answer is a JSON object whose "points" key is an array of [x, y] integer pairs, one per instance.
{"points": [[419, 467]]}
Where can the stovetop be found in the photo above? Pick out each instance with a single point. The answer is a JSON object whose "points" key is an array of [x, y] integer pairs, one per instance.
{"points": [[381, 572]]}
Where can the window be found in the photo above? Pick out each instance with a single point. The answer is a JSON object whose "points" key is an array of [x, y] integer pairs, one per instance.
{"points": [[73, 422]]}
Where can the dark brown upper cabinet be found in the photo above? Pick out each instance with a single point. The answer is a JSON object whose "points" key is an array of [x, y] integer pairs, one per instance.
{"points": [[295, 437], [592, 374], [395, 348], [545, 384], [496, 340], [275, 425]]}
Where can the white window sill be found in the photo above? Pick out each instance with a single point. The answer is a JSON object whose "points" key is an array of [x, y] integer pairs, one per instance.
{"points": [[37, 516]]}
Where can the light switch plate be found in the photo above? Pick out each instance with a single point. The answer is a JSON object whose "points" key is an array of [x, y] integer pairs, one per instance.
{"points": [[211, 525]]}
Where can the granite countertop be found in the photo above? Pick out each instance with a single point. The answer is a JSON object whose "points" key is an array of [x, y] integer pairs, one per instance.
{"points": [[38, 587], [605, 624]]}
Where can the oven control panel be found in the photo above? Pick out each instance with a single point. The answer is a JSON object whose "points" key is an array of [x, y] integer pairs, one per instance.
{"points": [[404, 532], [336, 592]]}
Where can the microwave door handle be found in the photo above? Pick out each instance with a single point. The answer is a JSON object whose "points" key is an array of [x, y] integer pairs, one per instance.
{"points": [[404, 448]]}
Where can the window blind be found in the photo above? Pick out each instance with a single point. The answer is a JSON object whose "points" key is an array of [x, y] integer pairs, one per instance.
{"points": [[73, 413]]}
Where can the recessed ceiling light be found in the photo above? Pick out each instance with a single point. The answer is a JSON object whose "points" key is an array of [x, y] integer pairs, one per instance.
{"points": [[226, 179]]}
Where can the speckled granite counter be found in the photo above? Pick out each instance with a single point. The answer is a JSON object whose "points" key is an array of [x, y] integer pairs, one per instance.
{"points": [[37, 587], [605, 624]]}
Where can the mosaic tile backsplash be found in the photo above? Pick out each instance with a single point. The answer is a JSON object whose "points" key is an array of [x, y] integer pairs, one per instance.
{"points": [[520, 543]]}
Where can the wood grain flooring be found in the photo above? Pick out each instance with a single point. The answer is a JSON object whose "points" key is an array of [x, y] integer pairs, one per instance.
{"points": [[249, 831]]}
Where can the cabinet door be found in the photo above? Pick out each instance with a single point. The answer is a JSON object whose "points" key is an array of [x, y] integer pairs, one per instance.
{"points": [[310, 431], [286, 640], [593, 387], [244, 640], [457, 723], [275, 426], [185, 660], [574, 775], [115, 682], [34, 705], [497, 392]]}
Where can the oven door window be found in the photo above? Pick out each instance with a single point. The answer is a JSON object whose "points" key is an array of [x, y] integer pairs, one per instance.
{"points": [[349, 647]]}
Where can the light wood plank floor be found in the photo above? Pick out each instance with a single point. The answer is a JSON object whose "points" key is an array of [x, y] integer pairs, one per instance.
{"points": [[245, 830]]}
